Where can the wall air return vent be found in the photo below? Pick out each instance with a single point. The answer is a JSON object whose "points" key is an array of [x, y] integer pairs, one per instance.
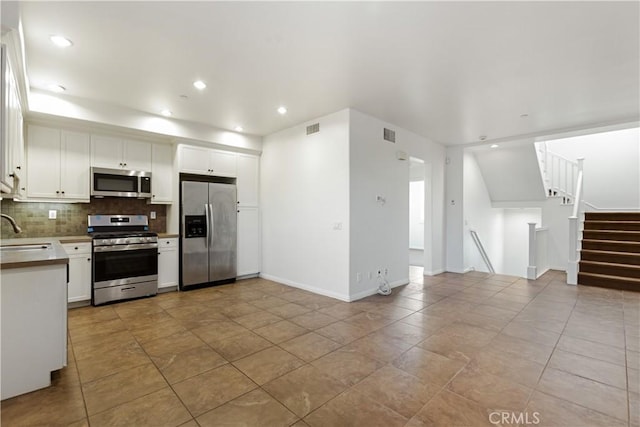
{"points": [[314, 128], [389, 135]]}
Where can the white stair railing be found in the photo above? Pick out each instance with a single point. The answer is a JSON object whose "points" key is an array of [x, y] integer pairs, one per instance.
{"points": [[559, 174], [483, 253], [574, 228]]}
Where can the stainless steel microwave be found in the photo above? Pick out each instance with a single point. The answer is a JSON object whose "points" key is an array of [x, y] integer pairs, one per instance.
{"points": [[120, 183]]}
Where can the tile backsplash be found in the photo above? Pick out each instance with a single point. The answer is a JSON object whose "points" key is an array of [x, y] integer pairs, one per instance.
{"points": [[33, 217]]}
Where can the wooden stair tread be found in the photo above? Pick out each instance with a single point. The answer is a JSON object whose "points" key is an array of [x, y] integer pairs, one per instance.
{"points": [[603, 252], [611, 264], [610, 277], [623, 242]]}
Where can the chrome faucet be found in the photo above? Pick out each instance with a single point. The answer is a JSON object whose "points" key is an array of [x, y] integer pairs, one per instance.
{"points": [[14, 224]]}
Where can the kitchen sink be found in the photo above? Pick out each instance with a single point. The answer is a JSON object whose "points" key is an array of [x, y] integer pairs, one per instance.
{"points": [[29, 247]]}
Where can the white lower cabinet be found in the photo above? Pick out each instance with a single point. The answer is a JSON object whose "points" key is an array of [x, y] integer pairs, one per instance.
{"points": [[79, 288], [248, 261], [167, 262], [33, 327]]}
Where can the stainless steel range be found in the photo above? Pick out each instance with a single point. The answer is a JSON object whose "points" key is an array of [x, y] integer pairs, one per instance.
{"points": [[125, 257]]}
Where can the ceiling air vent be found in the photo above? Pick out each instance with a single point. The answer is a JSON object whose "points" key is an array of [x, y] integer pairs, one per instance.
{"points": [[314, 128], [389, 135]]}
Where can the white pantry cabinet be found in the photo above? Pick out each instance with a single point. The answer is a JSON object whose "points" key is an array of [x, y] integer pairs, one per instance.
{"points": [[205, 161], [79, 287], [117, 153], [248, 178], [167, 262], [248, 256], [12, 170], [57, 164], [161, 174]]}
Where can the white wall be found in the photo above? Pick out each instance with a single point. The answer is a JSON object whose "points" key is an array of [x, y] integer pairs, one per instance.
{"points": [[479, 215], [611, 166], [454, 209], [379, 231], [512, 172], [304, 191], [516, 239]]}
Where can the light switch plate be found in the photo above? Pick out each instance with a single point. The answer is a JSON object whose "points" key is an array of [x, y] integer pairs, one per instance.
{"points": [[53, 214]]}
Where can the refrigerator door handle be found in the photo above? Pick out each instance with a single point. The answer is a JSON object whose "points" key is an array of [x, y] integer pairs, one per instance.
{"points": [[208, 224], [212, 225]]}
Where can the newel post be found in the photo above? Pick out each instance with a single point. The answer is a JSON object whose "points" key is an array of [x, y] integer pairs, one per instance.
{"points": [[532, 268]]}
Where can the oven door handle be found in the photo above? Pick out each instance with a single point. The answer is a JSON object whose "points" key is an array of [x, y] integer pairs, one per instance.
{"points": [[118, 248]]}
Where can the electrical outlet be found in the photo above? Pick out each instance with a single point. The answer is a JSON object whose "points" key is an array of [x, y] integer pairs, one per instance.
{"points": [[53, 214], [153, 214], [358, 277]]}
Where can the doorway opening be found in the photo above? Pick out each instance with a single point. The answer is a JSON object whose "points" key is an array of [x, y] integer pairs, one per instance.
{"points": [[416, 215]]}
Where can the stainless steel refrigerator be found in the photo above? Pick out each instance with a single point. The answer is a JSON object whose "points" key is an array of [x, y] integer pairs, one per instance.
{"points": [[208, 233]]}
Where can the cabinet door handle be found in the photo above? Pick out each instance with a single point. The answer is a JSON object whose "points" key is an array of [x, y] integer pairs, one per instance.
{"points": [[63, 192], [18, 167], [125, 164], [89, 259], [12, 175], [57, 192], [76, 248]]}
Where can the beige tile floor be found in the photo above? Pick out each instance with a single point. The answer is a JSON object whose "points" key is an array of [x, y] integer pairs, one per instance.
{"points": [[449, 350]]}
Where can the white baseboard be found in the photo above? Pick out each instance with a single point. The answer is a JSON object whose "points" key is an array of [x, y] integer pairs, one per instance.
{"points": [[373, 291], [305, 287], [434, 273]]}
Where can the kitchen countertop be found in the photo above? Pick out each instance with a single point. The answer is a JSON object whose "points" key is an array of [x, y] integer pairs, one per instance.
{"points": [[168, 235], [55, 255], [32, 258]]}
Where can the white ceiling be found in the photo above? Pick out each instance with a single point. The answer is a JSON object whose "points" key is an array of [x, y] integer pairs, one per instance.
{"points": [[450, 71]]}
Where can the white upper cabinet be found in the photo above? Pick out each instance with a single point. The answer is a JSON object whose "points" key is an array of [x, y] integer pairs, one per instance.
{"points": [[57, 164], [118, 153], [12, 167], [205, 161], [161, 173], [248, 178]]}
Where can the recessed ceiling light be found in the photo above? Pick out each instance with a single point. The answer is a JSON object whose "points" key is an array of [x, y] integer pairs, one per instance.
{"points": [[60, 41], [57, 88], [166, 113], [482, 137], [282, 110], [199, 84], [494, 145], [239, 128], [524, 116]]}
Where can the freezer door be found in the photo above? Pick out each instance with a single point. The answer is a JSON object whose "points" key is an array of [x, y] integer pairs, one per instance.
{"points": [[222, 245], [195, 252]]}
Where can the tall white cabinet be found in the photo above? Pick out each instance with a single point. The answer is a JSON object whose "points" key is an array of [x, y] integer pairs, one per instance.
{"points": [[249, 246]]}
